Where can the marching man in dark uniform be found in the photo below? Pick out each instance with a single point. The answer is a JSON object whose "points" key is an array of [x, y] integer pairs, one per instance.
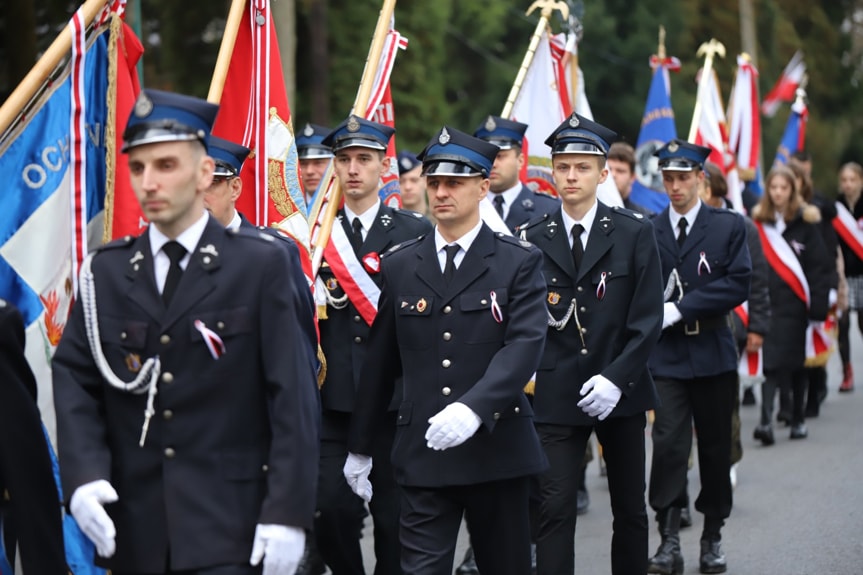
{"points": [[604, 298], [26, 474], [514, 202], [460, 329], [706, 271], [366, 228], [313, 156], [184, 387]]}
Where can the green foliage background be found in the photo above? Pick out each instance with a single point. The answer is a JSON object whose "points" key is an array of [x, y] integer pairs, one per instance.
{"points": [[464, 55]]}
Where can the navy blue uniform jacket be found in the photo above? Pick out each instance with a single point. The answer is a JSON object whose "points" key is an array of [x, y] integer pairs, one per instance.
{"points": [[448, 346], [234, 441], [617, 295]]}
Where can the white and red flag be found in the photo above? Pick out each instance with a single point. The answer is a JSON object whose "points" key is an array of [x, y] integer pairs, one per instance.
{"points": [[786, 86], [744, 117], [712, 132]]}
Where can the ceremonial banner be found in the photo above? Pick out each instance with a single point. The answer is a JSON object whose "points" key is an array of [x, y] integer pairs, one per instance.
{"points": [[657, 129], [543, 103], [744, 118], [786, 86], [794, 137]]}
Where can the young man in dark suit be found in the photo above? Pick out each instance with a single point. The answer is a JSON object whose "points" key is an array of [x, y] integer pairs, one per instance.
{"points": [[604, 300], [187, 407], [460, 329]]}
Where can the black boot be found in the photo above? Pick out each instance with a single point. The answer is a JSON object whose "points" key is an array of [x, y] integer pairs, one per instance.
{"points": [[468, 566], [668, 560], [311, 563], [712, 558]]}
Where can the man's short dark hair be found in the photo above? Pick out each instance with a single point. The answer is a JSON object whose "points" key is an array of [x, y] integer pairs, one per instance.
{"points": [[623, 152]]}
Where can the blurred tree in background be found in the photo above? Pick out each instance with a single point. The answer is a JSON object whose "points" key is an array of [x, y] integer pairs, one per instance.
{"points": [[464, 55]]}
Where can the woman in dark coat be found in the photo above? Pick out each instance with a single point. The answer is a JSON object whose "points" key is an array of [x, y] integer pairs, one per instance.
{"points": [[795, 300]]}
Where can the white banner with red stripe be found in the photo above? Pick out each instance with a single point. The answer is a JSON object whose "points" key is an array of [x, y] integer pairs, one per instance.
{"points": [[751, 363], [351, 275], [849, 229]]}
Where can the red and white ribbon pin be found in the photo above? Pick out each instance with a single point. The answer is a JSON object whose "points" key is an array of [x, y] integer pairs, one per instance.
{"points": [[212, 339], [702, 263], [496, 312]]}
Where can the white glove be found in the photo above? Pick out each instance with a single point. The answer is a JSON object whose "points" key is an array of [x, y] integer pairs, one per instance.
{"points": [[281, 547], [87, 508], [601, 399], [832, 297], [451, 426], [670, 314], [356, 471]]}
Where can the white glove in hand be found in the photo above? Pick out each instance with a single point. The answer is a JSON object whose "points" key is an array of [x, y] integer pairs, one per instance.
{"points": [[452, 426], [832, 297], [281, 547], [356, 471], [670, 314], [602, 396], [87, 508]]}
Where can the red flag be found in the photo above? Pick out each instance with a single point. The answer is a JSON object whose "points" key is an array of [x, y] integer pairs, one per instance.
{"points": [[786, 86], [126, 217]]}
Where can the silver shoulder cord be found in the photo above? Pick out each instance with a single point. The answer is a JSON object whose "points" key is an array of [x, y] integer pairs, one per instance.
{"points": [[148, 376], [673, 282], [336, 302]]}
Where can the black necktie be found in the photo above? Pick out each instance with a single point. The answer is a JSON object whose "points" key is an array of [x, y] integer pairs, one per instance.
{"points": [[498, 204], [449, 267], [357, 234], [681, 237], [577, 248], [175, 253]]}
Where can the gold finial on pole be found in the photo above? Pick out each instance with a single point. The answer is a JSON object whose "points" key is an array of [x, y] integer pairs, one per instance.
{"points": [[546, 8], [708, 50], [660, 50]]}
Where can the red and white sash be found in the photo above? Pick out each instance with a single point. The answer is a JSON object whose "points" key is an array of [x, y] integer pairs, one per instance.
{"points": [[848, 229], [355, 281], [781, 258], [751, 364], [784, 262]]}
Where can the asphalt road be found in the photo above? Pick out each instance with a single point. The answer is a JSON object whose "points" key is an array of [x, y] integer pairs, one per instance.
{"points": [[798, 505]]}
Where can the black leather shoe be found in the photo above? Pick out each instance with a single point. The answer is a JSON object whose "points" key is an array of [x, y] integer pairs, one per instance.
{"points": [[764, 433], [685, 517], [783, 417], [712, 558], [582, 501], [311, 563], [748, 397], [799, 431], [468, 565]]}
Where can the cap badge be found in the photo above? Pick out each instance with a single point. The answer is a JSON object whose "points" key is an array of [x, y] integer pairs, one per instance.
{"points": [[444, 137], [406, 164], [308, 131], [143, 106], [573, 121], [673, 147], [490, 124], [353, 124]]}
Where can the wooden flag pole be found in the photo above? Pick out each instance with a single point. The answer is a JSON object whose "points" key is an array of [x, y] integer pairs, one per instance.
{"points": [[39, 73], [362, 100], [226, 50], [546, 8], [708, 50]]}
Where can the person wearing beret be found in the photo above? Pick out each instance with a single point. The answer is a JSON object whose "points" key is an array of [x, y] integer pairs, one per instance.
{"points": [[26, 473], [314, 157], [460, 329], [514, 201], [706, 272], [365, 229], [184, 385], [604, 307]]}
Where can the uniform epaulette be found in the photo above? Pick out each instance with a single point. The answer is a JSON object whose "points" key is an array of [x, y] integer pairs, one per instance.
{"points": [[523, 244], [257, 233], [627, 212], [118, 243], [409, 213], [402, 245], [530, 223]]}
